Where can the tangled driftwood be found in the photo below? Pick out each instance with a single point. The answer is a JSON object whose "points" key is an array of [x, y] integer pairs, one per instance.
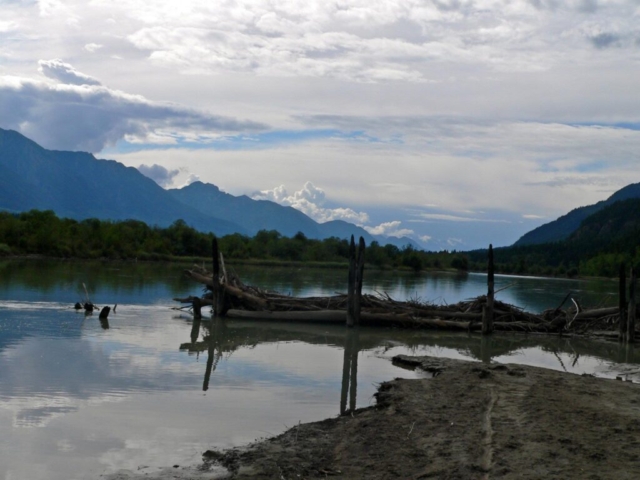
{"points": [[245, 301]]}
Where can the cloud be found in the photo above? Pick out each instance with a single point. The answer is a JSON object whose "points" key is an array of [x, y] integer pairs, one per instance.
{"points": [[65, 73], [604, 40], [310, 201], [159, 174], [456, 218], [191, 179], [390, 229], [81, 114], [92, 47]]}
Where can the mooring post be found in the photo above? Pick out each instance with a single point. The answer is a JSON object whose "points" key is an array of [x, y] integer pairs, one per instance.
{"points": [[352, 283], [358, 281], [622, 302], [487, 311], [215, 284], [631, 316]]}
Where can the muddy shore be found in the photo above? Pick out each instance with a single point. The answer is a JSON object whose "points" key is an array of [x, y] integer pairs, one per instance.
{"points": [[471, 421]]}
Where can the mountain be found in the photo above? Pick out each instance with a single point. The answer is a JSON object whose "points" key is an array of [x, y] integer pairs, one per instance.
{"points": [[77, 185], [255, 215], [564, 226], [251, 215], [615, 228]]}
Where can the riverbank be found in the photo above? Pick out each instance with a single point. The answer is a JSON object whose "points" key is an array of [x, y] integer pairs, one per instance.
{"points": [[471, 421]]}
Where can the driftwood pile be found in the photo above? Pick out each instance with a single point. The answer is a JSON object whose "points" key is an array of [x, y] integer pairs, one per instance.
{"points": [[245, 301]]}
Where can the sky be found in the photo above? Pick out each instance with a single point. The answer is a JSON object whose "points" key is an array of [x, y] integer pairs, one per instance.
{"points": [[458, 123]]}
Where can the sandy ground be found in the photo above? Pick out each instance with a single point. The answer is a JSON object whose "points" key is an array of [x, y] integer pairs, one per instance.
{"points": [[471, 421]]}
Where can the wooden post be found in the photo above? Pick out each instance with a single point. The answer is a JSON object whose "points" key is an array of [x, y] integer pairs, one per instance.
{"points": [[622, 302], [631, 316], [487, 311], [216, 277], [352, 283], [358, 281]]}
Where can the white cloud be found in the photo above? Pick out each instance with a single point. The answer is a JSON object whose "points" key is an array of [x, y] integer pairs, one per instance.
{"points": [[454, 242], [65, 73], [191, 179], [7, 26], [92, 47], [159, 174], [310, 201], [390, 229]]}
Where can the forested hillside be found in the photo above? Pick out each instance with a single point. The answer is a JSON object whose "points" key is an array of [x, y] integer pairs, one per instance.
{"points": [[603, 240]]}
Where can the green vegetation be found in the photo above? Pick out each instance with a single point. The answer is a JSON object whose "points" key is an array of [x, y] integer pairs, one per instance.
{"points": [[597, 248], [43, 233], [601, 243]]}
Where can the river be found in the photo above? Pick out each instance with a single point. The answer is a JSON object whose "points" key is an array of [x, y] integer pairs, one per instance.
{"points": [[79, 400]]}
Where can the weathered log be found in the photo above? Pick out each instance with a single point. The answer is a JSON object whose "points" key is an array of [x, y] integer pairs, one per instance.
{"points": [[597, 313], [327, 316], [257, 302]]}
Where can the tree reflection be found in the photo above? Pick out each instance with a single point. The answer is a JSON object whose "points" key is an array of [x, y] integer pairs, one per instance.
{"points": [[350, 370]]}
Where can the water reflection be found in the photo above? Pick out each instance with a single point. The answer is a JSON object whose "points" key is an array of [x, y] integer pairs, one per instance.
{"points": [[76, 397], [220, 338], [350, 370]]}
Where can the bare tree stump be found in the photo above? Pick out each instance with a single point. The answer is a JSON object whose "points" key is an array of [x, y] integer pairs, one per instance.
{"points": [[622, 299], [487, 311], [631, 317], [351, 284]]}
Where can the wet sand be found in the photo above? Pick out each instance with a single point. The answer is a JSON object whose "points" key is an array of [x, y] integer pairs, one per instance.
{"points": [[471, 421]]}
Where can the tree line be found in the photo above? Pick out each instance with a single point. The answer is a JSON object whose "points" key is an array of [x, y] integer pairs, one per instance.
{"points": [[597, 248], [43, 233]]}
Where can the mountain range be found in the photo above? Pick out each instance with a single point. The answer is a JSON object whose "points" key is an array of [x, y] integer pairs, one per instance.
{"points": [[564, 226], [77, 185]]}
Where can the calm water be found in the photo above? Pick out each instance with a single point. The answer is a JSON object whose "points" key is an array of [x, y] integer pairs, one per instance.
{"points": [[78, 400]]}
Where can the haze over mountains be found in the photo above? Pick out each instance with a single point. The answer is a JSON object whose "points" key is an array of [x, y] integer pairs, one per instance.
{"points": [[77, 185]]}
